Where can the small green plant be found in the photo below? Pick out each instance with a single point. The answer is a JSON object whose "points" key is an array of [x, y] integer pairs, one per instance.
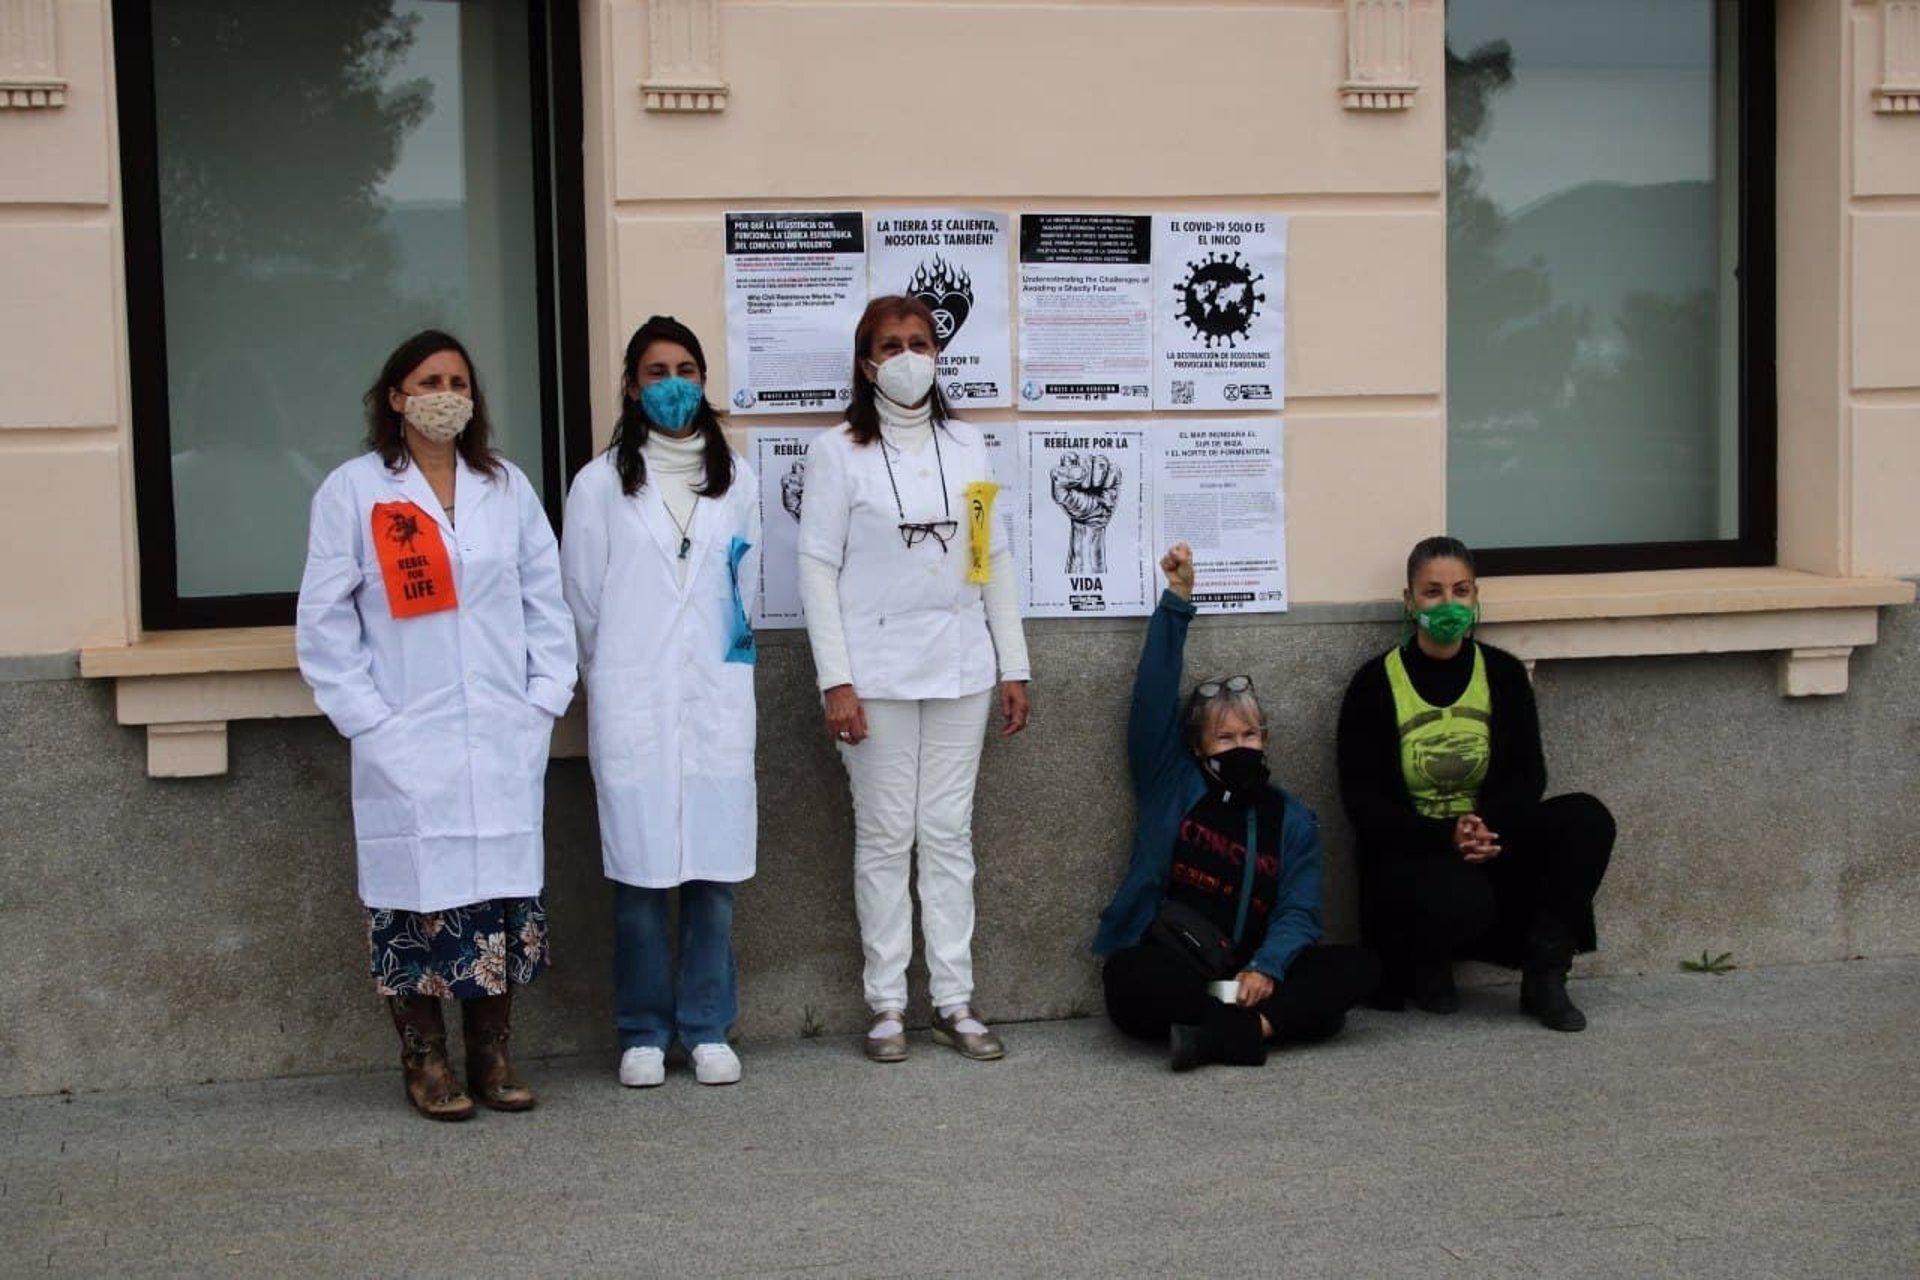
{"points": [[1708, 963], [811, 1027]]}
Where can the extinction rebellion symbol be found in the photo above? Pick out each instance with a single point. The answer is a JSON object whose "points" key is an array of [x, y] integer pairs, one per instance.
{"points": [[948, 292], [1219, 299]]}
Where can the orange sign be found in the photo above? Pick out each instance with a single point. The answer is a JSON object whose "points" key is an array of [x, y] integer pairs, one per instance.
{"points": [[413, 560]]}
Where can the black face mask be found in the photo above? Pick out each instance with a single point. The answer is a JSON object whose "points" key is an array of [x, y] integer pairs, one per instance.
{"points": [[1241, 769]]}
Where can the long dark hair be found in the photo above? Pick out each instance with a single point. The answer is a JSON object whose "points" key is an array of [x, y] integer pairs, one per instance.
{"points": [[631, 430], [862, 415], [1439, 547], [386, 426]]}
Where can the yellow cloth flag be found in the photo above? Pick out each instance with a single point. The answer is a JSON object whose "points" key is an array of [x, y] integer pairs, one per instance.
{"points": [[980, 495]]}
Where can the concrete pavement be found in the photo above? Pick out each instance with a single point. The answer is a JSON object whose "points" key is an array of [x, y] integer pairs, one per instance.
{"points": [[1759, 1124]]}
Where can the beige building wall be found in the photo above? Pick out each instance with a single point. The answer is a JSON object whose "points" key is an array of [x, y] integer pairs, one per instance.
{"points": [[1000, 104], [1882, 202], [1006, 106], [66, 515]]}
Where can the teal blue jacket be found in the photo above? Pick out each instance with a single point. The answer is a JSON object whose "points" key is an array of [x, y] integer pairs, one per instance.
{"points": [[1167, 783]]}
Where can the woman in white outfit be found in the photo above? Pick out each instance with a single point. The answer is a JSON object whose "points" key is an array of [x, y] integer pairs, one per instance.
{"points": [[905, 637], [662, 549], [433, 632]]}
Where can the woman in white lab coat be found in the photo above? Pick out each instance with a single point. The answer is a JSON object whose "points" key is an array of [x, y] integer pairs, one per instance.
{"points": [[661, 554], [908, 587], [434, 634]]}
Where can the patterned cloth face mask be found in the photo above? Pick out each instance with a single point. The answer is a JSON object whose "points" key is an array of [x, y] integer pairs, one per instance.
{"points": [[439, 415], [1447, 622], [671, 402]]}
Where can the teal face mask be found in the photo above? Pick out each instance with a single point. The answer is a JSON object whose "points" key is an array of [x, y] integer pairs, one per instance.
{"points": [[671, 402], [1447, 622]]}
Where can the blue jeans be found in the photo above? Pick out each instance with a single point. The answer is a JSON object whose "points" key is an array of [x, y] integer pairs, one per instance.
{"points": [[654, 1000]]}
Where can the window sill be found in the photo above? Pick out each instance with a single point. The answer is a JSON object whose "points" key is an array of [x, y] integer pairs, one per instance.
{"points": [[1813, 622], [185, 687]]}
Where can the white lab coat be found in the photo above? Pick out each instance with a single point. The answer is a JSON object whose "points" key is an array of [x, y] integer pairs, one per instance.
{"points": [[450, 714], [670, 722], [915, 627]]}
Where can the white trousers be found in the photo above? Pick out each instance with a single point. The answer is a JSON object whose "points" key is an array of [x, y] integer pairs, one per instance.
{"points": [[913, 780]]}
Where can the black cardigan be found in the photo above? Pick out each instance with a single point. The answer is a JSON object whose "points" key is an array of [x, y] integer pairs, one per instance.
{"points": [[1371, 785]]}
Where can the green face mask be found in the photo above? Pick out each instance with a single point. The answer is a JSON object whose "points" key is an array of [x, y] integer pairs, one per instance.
{"points": [[1447, 622]]}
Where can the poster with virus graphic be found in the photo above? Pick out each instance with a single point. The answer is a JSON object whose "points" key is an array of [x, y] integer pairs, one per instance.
{"points": [[1217, 487], [780, 465], [1220, 308], [1086, 311], [1087, 502], [955, 261], [796, 284]]}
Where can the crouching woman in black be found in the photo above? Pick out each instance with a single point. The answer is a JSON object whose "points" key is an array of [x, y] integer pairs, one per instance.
{"points": [[1195, 910], [1442, 773]]}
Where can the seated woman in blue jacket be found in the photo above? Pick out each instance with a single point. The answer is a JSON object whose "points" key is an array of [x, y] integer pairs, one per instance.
{"points": [[1213, 952]]}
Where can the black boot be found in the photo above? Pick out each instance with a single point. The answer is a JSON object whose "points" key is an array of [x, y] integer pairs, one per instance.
{"points": [[1543, 978], [1229, 1036], [1433, 988]]}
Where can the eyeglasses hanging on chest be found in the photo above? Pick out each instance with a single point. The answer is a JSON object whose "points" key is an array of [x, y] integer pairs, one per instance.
{"points": [[914, 532]]}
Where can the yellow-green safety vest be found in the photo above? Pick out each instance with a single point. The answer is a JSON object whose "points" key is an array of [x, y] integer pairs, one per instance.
{"points": [[1443, 750]]}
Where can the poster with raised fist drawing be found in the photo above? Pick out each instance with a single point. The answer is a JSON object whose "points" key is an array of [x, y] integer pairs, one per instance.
{"points": [[779, 457], [1087, 519], [955, 261], [1220, 311]]}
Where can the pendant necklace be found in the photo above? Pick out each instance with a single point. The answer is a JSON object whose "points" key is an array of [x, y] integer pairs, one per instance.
{"points": [[686, 539]]}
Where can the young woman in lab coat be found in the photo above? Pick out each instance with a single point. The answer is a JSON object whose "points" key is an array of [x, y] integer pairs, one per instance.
{"points": [[433, 632], [908, 587], [661, 554]]}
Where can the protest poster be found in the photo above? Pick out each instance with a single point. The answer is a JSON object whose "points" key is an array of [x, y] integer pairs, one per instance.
{"points": [[779, 457], [1087, 489], [1217, 486], [1086, 317], [796, 284], [1220, 304], [955, 261]]}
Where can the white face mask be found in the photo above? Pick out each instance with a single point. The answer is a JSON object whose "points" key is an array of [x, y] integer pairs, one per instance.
{"points": [[439, 415], [906, 378]]}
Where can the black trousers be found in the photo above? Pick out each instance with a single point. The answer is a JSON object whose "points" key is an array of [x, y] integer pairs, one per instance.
{"points": [[1149, 989], [1532, 904]]}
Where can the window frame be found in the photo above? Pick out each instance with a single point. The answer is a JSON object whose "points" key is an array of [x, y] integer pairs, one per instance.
{"points": [[1758, 414], [561, 278]]}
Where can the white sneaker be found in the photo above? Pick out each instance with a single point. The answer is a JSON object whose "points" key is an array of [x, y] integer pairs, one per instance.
{"points": [[715, 1064], [644, 1067]]}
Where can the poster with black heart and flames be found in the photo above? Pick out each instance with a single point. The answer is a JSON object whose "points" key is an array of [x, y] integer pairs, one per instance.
{"points": [[955, 261]]}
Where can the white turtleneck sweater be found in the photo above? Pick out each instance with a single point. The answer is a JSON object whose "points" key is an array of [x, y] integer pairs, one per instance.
{"points": [[909, 431], [674, 467]]}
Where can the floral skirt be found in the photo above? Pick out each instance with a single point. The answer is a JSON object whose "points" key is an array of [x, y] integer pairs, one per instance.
{"points": [[465, 952]]}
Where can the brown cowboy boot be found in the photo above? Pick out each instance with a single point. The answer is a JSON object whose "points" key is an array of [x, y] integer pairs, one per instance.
{"points": [[488, 1022], [431, 1086]]}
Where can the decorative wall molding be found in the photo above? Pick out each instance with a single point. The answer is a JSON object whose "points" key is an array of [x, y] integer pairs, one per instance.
{"points": [[1899, 91], [1379, 56], [683, 57], [30, 55]]}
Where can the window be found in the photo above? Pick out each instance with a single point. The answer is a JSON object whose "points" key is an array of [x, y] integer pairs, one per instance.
{"points": [[1610, 294], [306, 184]]}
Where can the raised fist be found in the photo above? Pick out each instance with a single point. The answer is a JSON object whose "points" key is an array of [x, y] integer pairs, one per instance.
{"points": [[1177, 564], [792, 486], [1087, 490]]}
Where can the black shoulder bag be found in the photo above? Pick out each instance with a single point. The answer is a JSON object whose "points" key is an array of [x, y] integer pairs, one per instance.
{"points": [[1187, 933]]}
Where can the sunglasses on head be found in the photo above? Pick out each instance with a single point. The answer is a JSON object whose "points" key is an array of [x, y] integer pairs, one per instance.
{"points": [[1232, 684]]}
